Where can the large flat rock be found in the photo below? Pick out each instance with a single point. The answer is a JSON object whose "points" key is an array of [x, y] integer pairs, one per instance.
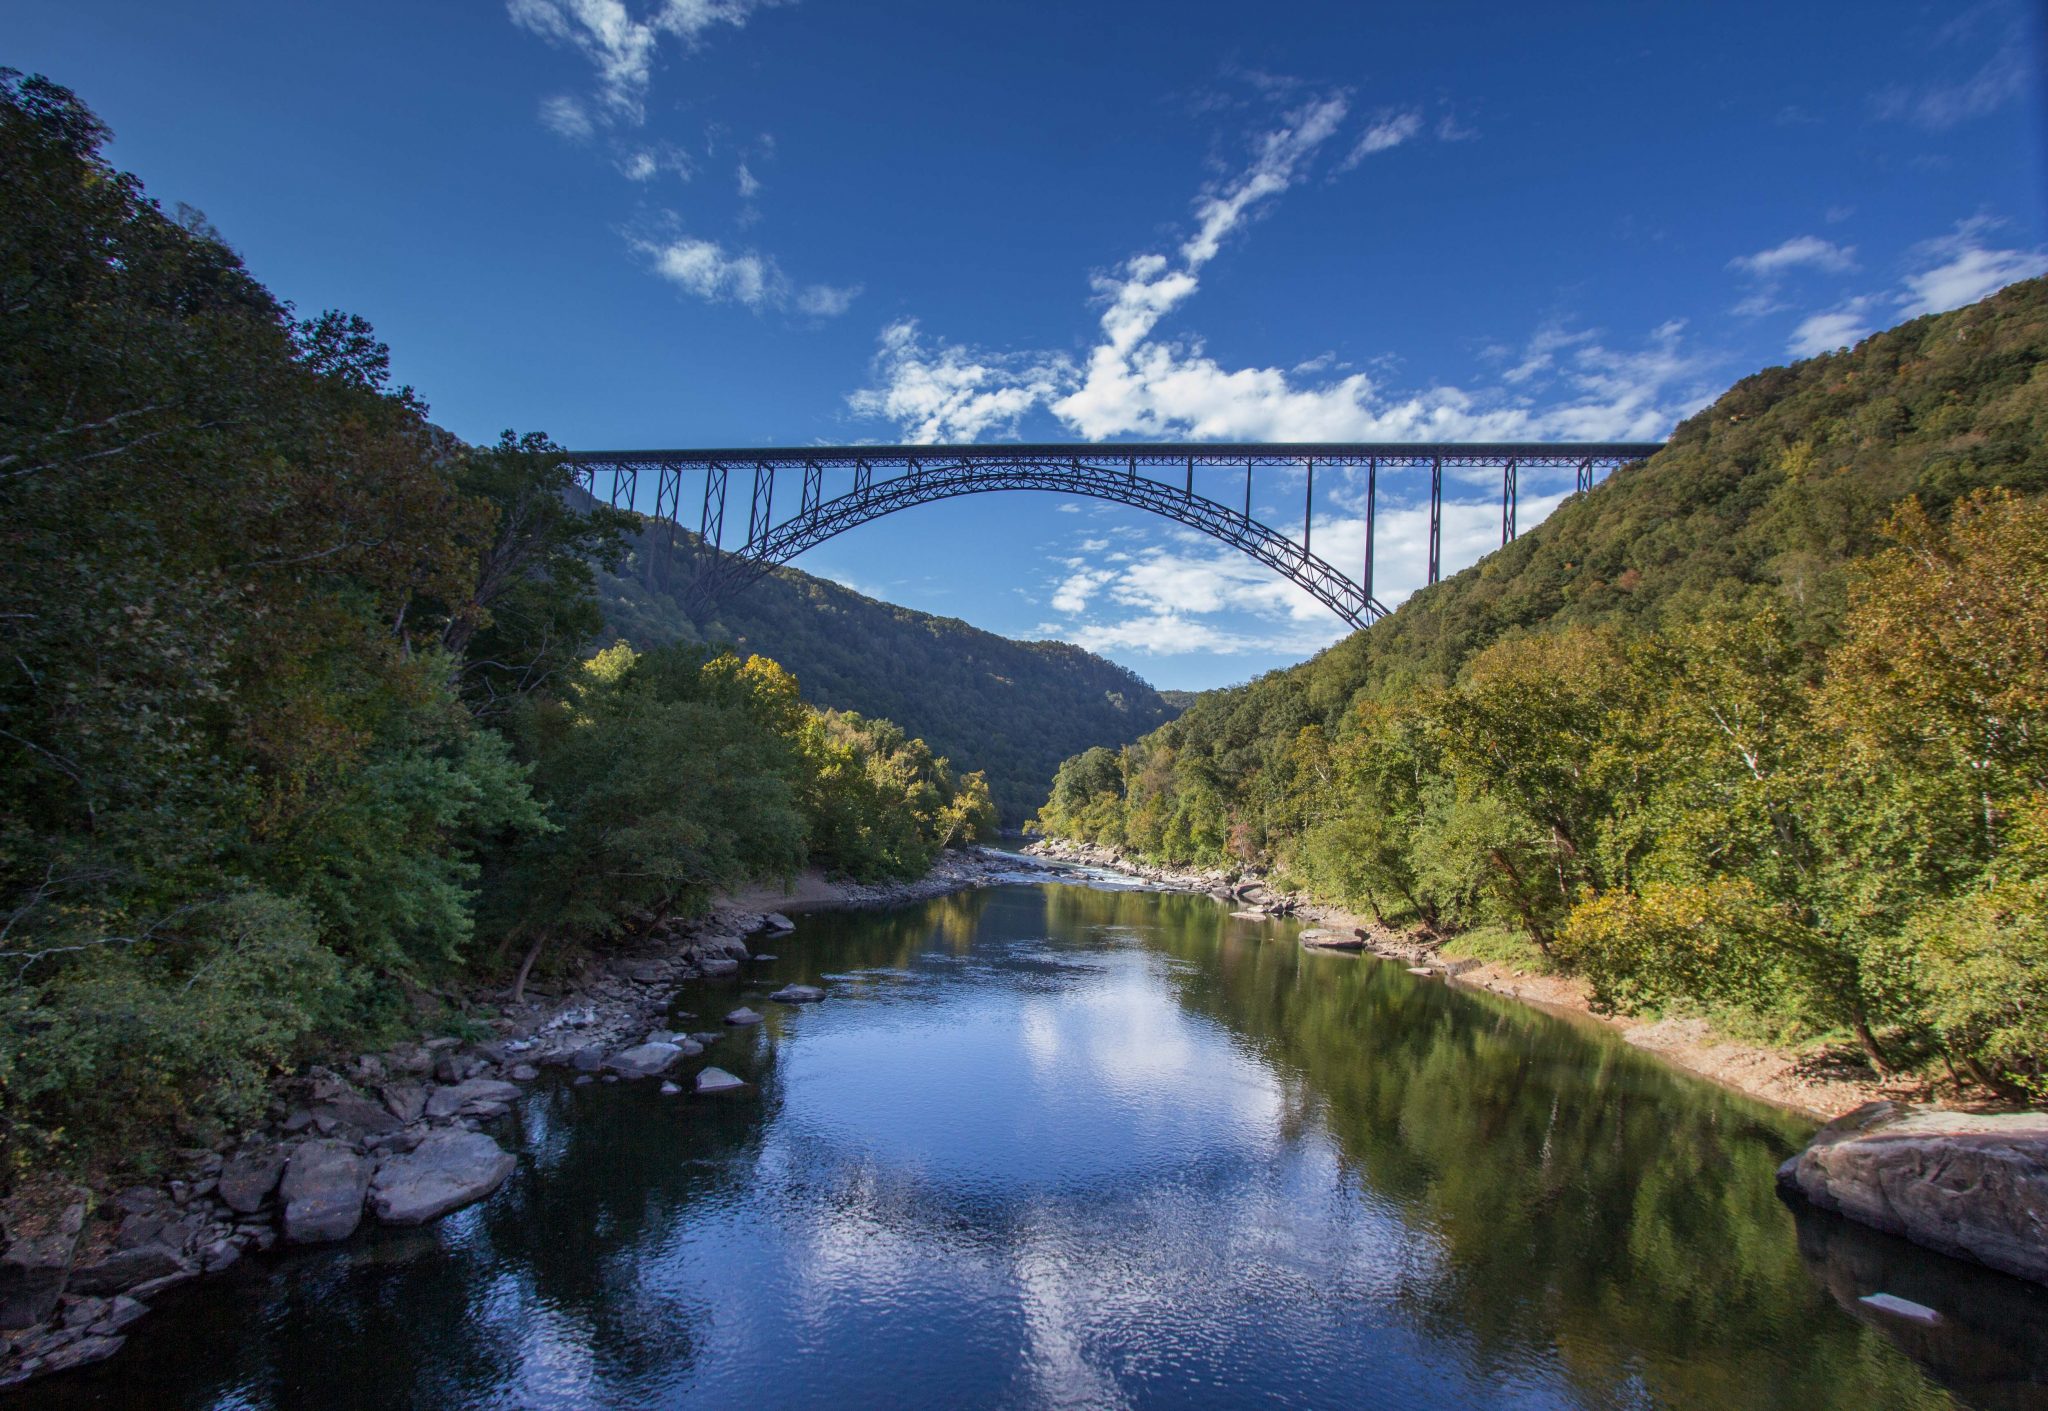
{"points": [[323, 1188], [446, 1171], [477, 1097], [1972, 1185]]}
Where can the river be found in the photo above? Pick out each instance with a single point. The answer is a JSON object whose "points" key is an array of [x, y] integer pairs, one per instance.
{"points": [[1053, 1145]]}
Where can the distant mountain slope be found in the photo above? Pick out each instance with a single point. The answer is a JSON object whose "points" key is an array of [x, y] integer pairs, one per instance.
{"points": [[1012, 709]]}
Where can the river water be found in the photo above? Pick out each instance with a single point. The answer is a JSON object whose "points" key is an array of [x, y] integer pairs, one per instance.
{"points": [[1052, 1146]]}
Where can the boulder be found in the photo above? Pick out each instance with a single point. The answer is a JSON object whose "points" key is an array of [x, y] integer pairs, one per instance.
{"points": [[715, 965], [1319, 939], [522, 1073], [35, 1265], [1249, 916], [405, 1101], [354, 1114], [647, 1060], [478, 1097], [1972, 1185], [249, 1177], [742, 1016], [322, 1190], [446, 1171], [717, 1080], [798, 994], [126, 1268], [776, 921]]}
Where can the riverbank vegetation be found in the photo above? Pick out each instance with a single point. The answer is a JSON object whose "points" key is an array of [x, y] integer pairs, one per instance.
{"points": [[300, 722], [1758, 727]]}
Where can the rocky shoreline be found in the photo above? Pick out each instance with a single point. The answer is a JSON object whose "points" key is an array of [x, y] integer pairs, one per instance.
{"points": [[400, 1137]]}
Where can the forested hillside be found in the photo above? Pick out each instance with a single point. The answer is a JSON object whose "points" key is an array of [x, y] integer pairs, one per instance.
{"points": [[1009, 709], [300, 720], [1761, 723]]}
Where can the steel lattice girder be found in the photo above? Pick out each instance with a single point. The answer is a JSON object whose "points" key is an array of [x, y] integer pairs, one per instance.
{"points": [[923, 474], [836, 516]]}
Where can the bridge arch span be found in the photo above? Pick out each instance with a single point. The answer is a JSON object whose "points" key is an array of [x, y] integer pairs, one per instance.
{"points": [[1122, 473], [1278, 552]]}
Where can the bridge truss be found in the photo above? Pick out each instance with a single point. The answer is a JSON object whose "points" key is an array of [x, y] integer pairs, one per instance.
{"points": [[1156, 478]]}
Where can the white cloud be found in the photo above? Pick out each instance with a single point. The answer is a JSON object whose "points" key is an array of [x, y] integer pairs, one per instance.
{"points": [[619, 47], [650, 161], [749, 184], [707, 270], [1281, 153], [1800, 252], [1388, 130], [826, 300], [1965, 270], [947, 393], [1842, 327], [565, 117], [1071, 594]]}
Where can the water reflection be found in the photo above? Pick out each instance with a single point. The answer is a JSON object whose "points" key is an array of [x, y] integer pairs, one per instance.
{"points": [[1053, 1146]]}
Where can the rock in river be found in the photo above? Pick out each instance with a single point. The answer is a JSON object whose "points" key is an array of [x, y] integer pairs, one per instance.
{"points": [[323, 1190], [1974, 1185], [743, 1015], [644, 1060], [776, 921], [448, 1170], [717, 1080], [798, 994]]}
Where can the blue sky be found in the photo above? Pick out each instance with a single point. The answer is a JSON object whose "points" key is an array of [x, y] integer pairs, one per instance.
{"points": [[729, 223]]}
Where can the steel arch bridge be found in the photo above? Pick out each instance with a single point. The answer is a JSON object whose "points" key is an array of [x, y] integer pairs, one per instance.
{"points": [[1157, 478]]}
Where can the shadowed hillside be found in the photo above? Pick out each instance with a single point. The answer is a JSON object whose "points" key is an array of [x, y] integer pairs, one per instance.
{"points": [[1012, 709]]}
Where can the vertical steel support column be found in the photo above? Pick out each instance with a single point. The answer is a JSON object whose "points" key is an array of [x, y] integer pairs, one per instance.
{"points": [[863, 477], [761, 513], [1134, 470], [629, 476], [1436, 516], [1190, 490], [1507, 502], [1372, 492], [814, 485], [1247, 492], [711, 528], [1585, 475], [1308, 505], [668, 499]]}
